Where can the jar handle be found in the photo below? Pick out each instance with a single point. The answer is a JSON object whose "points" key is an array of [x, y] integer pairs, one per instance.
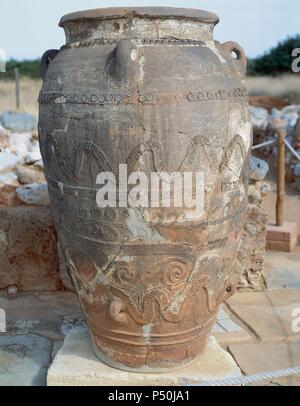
{"points": [[235, 54], [47, 58]]}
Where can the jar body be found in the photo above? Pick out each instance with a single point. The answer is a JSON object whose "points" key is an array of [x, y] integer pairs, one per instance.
{"points": [[149, 279]]}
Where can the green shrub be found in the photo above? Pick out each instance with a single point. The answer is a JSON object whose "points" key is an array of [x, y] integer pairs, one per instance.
{"points": [[276, 61], [27, 68]]}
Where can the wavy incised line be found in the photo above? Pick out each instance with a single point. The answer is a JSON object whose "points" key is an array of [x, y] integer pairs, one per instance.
{"points": [[197, 143], [237, 141], [96, 151], [158, 155]]}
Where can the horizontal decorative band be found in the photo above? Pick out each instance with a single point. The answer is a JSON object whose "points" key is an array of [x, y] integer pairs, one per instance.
{"points": [[89, 193], [202, 330], [126, 333], [146, 98], [143, 41]]}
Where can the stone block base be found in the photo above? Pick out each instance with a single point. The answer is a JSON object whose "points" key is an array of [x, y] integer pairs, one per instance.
{"points": [[76, 365], [282, 238], [28, 252]]}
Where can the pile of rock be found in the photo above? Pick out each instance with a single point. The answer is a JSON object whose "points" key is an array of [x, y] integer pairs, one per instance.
{"points": [[265, 125], [251, 256], [20, 157], [28, 246]]}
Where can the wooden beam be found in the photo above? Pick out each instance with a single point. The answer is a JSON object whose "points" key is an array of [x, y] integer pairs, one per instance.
{"points": [[280, 177], [17, 88]]}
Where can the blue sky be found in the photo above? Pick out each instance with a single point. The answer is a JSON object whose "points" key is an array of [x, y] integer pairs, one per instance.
{"points": [[29, 27]]}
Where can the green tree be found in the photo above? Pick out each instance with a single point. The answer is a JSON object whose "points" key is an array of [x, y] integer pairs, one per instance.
{"points": [[27, 68], [276, 61]]}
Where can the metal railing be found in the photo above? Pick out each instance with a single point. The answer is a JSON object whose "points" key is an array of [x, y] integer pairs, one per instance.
{"points": [[272, 141], [248, 379], [282, 142]]}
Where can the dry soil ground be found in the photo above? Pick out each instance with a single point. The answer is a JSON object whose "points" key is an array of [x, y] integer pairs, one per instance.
{"points": [[285, 86], [29, 91]]}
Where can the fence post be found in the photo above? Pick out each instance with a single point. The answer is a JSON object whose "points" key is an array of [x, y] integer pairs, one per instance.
{"points": [[280, 176], [17, 88]]}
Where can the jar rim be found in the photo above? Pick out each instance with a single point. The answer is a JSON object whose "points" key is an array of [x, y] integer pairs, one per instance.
{"points": [[141, 12]]}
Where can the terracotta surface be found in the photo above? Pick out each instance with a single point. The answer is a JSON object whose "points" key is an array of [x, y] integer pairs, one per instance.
{"points": [[154, 92]]}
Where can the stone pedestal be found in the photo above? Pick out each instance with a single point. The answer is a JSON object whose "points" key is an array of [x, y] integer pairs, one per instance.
{"points": [[76, 365], [282, 238], [28, 253], [251, 255]]}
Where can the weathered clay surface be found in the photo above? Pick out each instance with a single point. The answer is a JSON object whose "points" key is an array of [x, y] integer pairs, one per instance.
{"points": [[155, 92]]}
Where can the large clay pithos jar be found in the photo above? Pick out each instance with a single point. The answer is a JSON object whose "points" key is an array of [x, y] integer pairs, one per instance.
{"points": [[150, 88]]}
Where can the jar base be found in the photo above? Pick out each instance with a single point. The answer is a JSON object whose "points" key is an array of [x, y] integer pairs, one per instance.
{"points": [[145, 369]]}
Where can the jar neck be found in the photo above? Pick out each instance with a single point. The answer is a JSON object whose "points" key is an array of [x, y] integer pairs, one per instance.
{"points": [[138, 28]]}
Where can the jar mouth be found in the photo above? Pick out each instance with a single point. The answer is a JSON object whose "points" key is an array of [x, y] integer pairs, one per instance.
{"points": [[141, 12]]}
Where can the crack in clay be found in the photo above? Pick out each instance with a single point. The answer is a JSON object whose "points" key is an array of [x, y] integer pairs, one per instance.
{"points": [[139, 228]]}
